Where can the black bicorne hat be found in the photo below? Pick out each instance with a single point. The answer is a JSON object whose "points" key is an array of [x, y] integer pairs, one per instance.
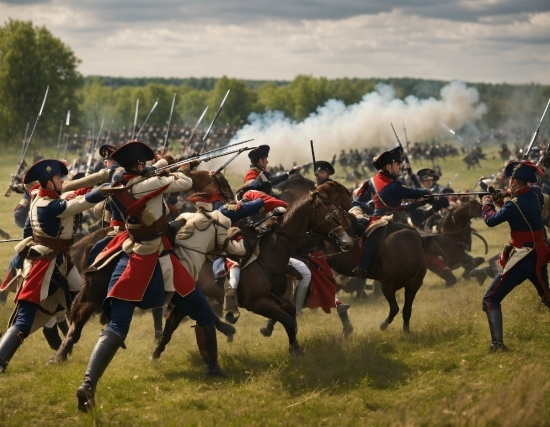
{"points": [[131, 153], [387, 157], [427, 173], [44, 169], [259, 153], [106, 150], [322, 165]]}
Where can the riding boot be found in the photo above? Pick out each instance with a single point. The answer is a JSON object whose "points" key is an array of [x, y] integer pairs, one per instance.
{"points": [[480, 274], [370, 247], [342, 310], [224, 328], [11, 340], [301, 292], [230, 301], [63, 327], [448, 276], [495, 326], [208, 347], [104, 351], [267, 330], [157, 322], [52, 337], [470, 265]]}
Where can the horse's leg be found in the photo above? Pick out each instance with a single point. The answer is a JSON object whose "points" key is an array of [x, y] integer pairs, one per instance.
{"points": [[389, 293], [172, 322], [157, 321], [267, 330], [410, 293], [225, 328], [266, 307]]}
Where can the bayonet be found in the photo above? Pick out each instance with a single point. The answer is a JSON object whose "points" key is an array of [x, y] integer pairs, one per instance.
{"points": [[67, 140], [147, 118], [110, 129], [59, 138], [169, 123], [214, 121], [406, 139], [135, 119], [197, 125], [526, 155], [94, 146], [451, 181]]}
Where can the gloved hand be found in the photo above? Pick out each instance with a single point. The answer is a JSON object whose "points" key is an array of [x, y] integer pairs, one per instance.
{"points": [[487, 200]]}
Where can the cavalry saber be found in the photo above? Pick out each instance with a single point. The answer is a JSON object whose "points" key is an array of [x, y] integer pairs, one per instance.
{"points": [[233, 157], [26, 146], [169, 124], [135, 119], [147, 118], [197, 125], [525, 157], [67, 140], [215, 118]]}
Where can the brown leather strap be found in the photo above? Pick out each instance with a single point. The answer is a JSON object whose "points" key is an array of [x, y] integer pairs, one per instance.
{"points": [[60, 245], [152, 232]]}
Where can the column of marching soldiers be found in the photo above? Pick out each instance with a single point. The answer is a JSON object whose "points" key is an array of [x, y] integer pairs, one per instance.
{"points": [[141, 195]]}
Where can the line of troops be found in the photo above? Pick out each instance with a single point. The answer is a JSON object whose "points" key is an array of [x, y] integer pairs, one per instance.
{"points": [[149, 275]]}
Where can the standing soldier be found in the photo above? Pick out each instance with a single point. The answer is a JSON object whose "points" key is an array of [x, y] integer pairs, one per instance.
{"points": [[526, 255], [50, 278]]}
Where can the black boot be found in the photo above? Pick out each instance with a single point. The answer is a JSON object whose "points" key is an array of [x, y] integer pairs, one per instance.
{"points": [[104, 351], [224, 328], [347, 327], [470, 265], [267, 330], [208, 347], [495, 326], [480, 274], [11, 340], [63, 327], [370, 247], [157, 321], [52, 337], [448, 276]]}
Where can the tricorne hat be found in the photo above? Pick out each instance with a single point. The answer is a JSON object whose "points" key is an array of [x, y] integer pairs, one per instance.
{"points": [[44, 169]]}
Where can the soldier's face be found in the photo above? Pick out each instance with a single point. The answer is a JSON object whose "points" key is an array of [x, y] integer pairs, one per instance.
{"points": [[322, 174], [428, 182], [56, 183], [263, 162], [394, 168]]}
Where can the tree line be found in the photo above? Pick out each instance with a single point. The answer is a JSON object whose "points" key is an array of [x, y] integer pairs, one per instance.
{"points": [[32, 58]]}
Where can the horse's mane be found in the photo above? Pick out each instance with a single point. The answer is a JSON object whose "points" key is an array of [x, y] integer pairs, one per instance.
{"points": [[458, 216]]}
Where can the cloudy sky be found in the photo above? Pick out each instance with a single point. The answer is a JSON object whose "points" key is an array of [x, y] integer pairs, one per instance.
{"points": [[472, 40]]}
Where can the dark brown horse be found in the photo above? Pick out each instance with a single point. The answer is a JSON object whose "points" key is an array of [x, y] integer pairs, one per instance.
{"points": [[94, 290], [263, 282], [393, 270]]}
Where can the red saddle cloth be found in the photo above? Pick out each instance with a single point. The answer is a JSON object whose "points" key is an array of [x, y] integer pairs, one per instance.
{"points": [[322, 288]]}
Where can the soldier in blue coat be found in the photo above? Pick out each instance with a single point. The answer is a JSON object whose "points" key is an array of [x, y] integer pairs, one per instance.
{"points": [[527, 253]]}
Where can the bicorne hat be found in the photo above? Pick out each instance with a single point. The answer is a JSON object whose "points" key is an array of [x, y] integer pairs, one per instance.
{"points": [[131, 153], [524, 170], [106, 150], [387, 157], [44, 169], [427, 173], [322, 165], [258, 153]]}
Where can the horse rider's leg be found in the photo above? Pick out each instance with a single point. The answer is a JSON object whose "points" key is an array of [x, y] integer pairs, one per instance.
{"points": [[196, 306], [267, 307], [469, 263], [230, 299], [410, 293], [369, 250], [303, 285], [389, 293], [342, 310], [62, 324], [267, 330], [14, 336], [439, 268], [174, 318], [105, 349], [157, 321]]}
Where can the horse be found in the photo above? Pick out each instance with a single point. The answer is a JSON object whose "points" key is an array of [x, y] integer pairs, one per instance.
{"points": [[95, 286], [263, 283]]}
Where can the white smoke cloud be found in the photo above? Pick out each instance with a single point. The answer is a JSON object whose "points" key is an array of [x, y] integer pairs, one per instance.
{"points": [[335, 126]]}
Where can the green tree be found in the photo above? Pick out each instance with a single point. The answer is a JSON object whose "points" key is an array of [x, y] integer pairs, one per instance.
{"points": [[238, 105], [31, 58]]}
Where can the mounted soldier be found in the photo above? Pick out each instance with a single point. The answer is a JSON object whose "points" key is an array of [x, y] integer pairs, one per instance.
{"points": [[527, 254], [387, 193], [49, 278], [323, 171]]}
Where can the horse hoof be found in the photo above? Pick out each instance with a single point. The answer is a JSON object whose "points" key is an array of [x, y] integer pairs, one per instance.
{"points": [[384, 326], [347, 331], [154, 356], [295, 350], [231, 318], [406, 330], [229, 338], [266, 332]]}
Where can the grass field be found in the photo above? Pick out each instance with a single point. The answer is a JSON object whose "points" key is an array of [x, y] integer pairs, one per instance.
{"points": [[440, 374]]}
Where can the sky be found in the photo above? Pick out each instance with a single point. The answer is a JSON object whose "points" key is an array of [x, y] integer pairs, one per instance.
{"points": [[491, 41]]}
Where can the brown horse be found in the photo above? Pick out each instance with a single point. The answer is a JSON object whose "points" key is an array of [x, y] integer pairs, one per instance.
{"points": [[390, 267], [94, 290], [263, 282], [449, 243]]}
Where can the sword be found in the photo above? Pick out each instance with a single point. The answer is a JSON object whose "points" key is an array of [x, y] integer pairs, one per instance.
{"points": [[214, 121], [28, 143], [135, 119], [526, 156], [169, 123], [147, 118], [197, 125]]}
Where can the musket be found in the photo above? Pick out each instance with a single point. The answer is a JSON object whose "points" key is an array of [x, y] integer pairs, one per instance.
{"points": [[316, 173], [473, 193], [406, 139], [11, 240], [135, 119], [26, 146], [67, 140], [452, 131], [197, 125], [526, 155], [451, 181], [169, 123], [59, 138], [406, 159], [94, 146], [110, 129], [215, 117], [84, 148], [233, 157], [147, 118], [8, 192]]}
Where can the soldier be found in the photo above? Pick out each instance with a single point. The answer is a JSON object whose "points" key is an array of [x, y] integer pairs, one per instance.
{"points": [[50, 278], [387, 193], [147, 271], [527, 253], [323, 172]]}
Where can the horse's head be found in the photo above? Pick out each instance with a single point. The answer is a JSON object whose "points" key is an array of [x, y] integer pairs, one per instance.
{"points": [[459, 217], [331, 202], [205, 183]]}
